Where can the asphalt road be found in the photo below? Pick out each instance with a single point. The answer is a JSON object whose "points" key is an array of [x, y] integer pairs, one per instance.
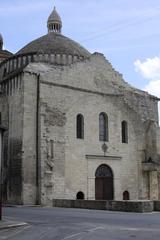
{"points": [[76, 224]]}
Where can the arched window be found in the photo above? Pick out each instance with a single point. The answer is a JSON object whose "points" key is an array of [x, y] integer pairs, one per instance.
{"points": [[103, 127], [124, 132], [80, 195], [125, 195], [80, 126], [104, 171]]}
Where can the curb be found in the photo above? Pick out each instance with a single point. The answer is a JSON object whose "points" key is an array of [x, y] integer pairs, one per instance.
{"points": [[13, 225], [21, 206]]}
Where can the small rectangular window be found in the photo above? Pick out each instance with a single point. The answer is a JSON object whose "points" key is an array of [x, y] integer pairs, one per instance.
{"points": [[80, 126], [124, 128]]}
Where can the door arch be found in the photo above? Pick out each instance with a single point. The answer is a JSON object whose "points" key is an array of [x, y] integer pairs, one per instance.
{"points": [[104, 183]]}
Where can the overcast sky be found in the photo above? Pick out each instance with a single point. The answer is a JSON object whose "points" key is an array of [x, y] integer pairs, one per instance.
{"points": [[127, 32]]}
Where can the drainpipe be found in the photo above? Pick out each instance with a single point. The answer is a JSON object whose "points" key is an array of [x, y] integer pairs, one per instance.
{"points": [[2, 130], [38, 199]]}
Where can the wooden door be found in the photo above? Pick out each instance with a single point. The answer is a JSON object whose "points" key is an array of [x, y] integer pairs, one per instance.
{"points": [[108, 188], [104, 183], [99, 188]]}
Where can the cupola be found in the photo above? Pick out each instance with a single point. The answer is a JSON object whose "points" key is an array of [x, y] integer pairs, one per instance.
{"points": [[54, 23]]}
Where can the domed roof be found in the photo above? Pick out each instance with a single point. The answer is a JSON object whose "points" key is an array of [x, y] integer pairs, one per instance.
{"points": [[54, 17], [55, 43]]}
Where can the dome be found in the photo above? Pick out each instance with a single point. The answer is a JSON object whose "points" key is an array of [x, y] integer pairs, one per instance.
{"points": [[55, 43]]}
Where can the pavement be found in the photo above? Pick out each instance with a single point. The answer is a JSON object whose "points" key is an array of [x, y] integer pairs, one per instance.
{"points": [[7, 223], [46, 223]]}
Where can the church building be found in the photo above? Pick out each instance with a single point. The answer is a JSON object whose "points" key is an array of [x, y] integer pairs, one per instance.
{"points": [[75, 128]]}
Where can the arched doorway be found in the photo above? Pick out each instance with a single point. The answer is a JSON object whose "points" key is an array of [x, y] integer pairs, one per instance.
{"points": [[104, 183]]}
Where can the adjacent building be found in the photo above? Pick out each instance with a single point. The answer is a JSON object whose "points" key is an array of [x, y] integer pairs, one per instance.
{"points": [[4, 54]]}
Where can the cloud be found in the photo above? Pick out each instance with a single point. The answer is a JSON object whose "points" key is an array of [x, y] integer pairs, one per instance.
{"points": [[150, 70], [153, 87]]}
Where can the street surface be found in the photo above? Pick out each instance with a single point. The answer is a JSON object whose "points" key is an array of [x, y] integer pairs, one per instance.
{"points": [[79, 224]]}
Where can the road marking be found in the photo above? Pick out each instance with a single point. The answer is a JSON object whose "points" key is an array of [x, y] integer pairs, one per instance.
{"points": [[134, 229], [9, 218], [15, 233], [45, 233], [84, 232], [71, 236], [95, 229]]}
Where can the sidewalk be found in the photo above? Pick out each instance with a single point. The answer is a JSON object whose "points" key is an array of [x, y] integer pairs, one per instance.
{"points": [[7, 223]]}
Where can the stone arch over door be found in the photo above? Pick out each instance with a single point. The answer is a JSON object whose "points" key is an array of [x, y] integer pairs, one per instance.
{"points": [[104, 183]]}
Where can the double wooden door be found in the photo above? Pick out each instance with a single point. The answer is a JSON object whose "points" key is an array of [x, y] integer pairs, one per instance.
{"points": [[104, 184]]}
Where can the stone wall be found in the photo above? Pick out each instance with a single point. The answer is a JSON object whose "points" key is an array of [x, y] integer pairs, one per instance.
{"points": [[122, 206], [29, 167], [66, 92], [12, 112], [158, 140]]}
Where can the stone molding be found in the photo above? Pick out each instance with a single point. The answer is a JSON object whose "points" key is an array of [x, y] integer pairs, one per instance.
{"points": [[101, 157]]}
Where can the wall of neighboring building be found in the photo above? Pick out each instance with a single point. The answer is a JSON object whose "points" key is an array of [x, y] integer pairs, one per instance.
{"points": [[2, 59], [158, 140], [4, 55], [11, 110]]}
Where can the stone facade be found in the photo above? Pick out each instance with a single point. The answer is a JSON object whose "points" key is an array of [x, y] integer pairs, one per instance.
{"points": [[42, 94]]}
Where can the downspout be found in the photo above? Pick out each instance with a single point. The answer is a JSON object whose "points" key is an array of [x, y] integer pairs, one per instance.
{"points": [[38, 198], [2, 130]]}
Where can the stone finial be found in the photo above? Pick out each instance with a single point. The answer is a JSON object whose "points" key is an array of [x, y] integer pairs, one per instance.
{"points": [[54, 23], [1, 42], [104, 148]]}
